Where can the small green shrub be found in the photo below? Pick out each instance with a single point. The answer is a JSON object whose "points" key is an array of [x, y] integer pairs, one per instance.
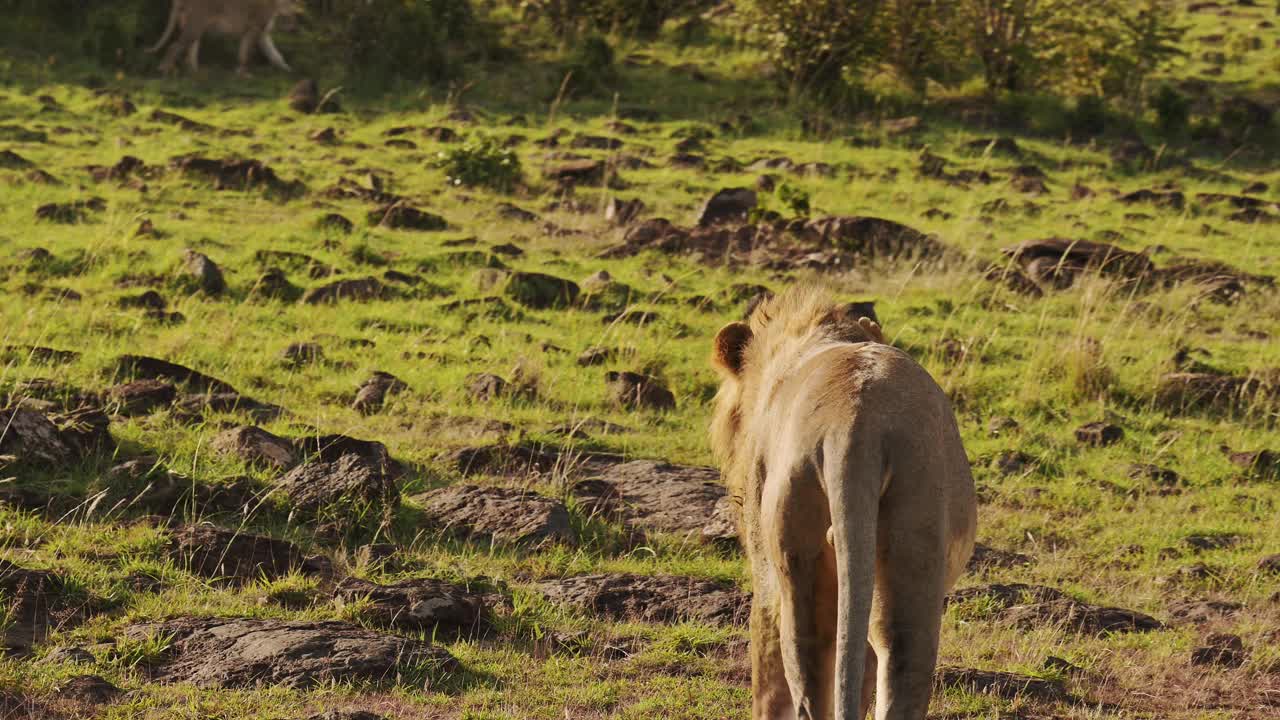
{"points": [[794, 198], [483, 163], [591, 66], [1089, 117]]}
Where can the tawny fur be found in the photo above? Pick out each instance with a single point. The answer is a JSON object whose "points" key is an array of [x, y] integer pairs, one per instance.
{"points": [[251, 20], [856, 508]]}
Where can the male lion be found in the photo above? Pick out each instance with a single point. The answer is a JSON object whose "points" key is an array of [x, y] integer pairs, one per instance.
{"points": [[252, 20], [857, 508]]}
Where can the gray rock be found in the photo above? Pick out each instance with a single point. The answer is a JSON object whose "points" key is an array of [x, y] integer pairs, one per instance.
{"points": [[230, 555], [88, 690], [420, 605], [635, 391], [659, 496], [728, 206], [373, 393], [205, 272], [301, 353], [498, 515], [74, 655], [540, 291], [1000, 684], [250, 653], [349, 487], [141, 396], [256, 447], [37, 602], [354, 290], [652, 598], [30, 437]]}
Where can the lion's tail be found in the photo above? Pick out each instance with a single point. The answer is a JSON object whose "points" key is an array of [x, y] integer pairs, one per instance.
{"points": [[854, 504], [169, 29]]}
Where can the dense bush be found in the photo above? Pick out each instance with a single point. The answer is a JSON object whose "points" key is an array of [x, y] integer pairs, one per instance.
{"points": [[590, 67], [817, 44], [417, 40], [111, 34], [922, 43], [643, 18], [1173, 111], [1088, 117], [1071, 47], [405, 39]]}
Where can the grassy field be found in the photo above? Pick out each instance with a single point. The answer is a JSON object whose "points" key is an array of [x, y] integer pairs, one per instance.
{"points": [[1024, 370]]}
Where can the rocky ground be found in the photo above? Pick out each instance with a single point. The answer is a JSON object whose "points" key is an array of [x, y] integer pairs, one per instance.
{"points": [[292, 426]]}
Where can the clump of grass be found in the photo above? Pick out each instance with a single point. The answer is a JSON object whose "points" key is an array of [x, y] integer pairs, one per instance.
{"points": [[1088, 376], [482, 162], [294, 591], [144, 651]]}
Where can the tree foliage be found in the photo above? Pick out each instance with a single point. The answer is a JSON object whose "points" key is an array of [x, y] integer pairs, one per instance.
{"points": [[642, 18], [1075, 47], [816, 43]]}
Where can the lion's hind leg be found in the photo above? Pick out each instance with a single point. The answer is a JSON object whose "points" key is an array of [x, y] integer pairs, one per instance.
{"points": [[802, 563], [770, 695], [906, 616]]}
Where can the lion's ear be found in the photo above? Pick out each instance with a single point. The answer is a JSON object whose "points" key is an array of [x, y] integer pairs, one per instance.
{"points": [[731, 346], [872, 329], [863, 309]]}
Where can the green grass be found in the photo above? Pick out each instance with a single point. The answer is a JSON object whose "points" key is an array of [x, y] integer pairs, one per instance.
{"points": [[1092, 352]]}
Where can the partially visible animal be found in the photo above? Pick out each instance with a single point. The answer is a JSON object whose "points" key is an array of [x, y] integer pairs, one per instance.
{"points": [[252, 20], [856, 508]]}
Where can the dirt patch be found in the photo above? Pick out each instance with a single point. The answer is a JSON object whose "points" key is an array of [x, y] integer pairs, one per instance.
{"points": [[1099, 434], [88, 690], [1056, 263], [248, 653], [70, 213], [652, 598], [540, 291]]}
